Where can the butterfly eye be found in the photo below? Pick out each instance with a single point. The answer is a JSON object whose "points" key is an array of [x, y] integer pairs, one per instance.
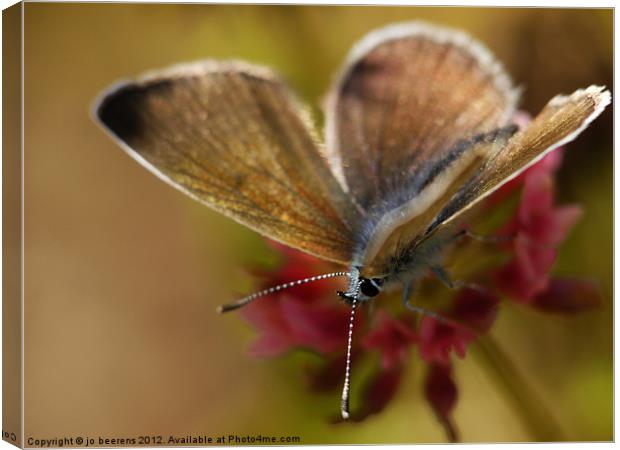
{"points": [[378, 281], [368, 287]]}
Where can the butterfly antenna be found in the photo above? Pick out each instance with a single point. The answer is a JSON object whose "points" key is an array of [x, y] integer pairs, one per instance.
{"points": [[344, 408], [272, 290]]}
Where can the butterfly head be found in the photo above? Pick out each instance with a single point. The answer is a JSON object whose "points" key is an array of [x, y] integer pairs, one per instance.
{"points": [[362, 289]]}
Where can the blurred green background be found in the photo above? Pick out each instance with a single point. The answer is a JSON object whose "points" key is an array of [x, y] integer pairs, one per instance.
{"points": [[123, 273]]}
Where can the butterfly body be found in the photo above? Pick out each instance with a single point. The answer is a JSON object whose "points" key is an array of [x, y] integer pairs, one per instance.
{"points": [[417, 131], [410, 262]]}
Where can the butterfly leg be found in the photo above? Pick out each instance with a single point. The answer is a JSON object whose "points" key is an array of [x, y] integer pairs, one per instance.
{"points": [[439, 317], [445, 278], [523, 236], [499, 239], [487, 239], [419, 309]]}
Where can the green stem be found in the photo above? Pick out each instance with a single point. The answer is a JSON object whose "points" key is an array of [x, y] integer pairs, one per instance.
{"points": [[535, 415]]}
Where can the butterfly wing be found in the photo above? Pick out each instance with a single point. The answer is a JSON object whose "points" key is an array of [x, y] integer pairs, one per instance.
{"points": [[560, 121], [232, 136], [504, 156], [407, 94], [397, 231], [417, 133]]}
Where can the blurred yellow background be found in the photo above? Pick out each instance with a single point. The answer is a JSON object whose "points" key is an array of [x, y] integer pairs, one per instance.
{"points": [[123, 273]]}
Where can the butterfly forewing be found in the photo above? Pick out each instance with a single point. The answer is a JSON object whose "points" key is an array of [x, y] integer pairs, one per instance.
{"points": [[407, 94], [231, 136], [559, 122]]}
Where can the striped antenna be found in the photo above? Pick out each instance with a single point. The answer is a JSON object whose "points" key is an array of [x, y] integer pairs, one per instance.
{"points": [[346, 389], [344, 407], [250, 298]]}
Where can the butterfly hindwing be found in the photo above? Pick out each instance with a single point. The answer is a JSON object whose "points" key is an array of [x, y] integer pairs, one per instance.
{"points": [[407, 94], [232, 136]]}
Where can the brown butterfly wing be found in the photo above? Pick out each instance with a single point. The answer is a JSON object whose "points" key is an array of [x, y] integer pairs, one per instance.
{"points": [[561, 121], [408, 94], [397, 233], [231, 136]]}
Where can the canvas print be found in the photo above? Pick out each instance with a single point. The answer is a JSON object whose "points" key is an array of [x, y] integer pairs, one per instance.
{"points": [[298, 225]]}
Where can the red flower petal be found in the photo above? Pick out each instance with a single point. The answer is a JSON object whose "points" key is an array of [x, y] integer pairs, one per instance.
{"points": [[538, 218], [539, 225], [550, 163], [308, 315], [392, 337], [528, 273], [561, 221], [476, 308], [441, 392], [271, 344], [568, 296], [276, 337], [536, 200], [319, 326], [286, 322], [378, 393], [437, 339]]}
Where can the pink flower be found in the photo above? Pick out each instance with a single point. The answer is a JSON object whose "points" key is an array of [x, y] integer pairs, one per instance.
{"points": [[565, 296], [392, 338], [438, 340], [378, 392], [476, 308], [473, 311], [441, 392], [289, 322], [538, 226], [302, 316]]}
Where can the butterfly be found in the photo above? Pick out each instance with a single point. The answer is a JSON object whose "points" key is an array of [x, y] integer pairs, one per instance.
{"points": [[417, 131]]}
